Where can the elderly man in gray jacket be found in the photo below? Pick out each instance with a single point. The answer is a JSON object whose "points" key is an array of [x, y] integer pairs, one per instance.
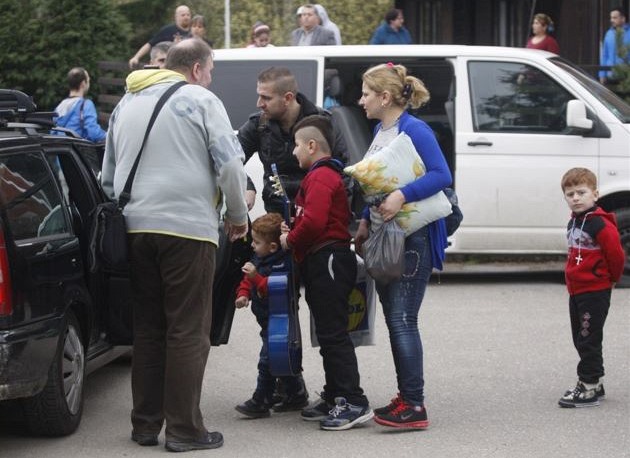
{"points": [[311, 33], [192, 163]]}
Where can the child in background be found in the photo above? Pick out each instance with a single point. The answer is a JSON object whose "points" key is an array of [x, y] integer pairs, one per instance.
{"points": [[320, 241], [261, 36], [267, 253], [594, 264], [198, 28]]}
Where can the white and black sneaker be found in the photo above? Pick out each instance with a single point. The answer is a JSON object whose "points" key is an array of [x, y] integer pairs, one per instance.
{"points": [[345, 416], [583, 395]]}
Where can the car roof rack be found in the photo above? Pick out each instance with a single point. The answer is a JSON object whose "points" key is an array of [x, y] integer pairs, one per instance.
{"points": [[18, 110]]}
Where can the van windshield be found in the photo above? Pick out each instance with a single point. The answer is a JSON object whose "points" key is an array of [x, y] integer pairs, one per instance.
{"points": [[615, 104]]}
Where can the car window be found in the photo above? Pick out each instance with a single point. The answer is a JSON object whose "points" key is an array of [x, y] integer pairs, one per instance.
{"points": [[30, 198], [234, 82], [516, 97]]}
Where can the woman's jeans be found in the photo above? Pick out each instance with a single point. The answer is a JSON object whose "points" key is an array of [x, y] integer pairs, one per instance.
{"points": [[401, 303]]}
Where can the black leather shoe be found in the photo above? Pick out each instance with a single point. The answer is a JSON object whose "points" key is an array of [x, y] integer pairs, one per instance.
{"points": [[253, 409], [212, 440], [292, 402], [144, 438]]}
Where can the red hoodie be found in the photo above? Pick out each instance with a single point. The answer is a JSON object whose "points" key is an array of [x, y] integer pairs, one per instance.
{"points": [[596, 258], [322, 211]]}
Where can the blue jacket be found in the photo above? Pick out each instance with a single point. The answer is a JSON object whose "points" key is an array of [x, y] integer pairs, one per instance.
{"points": [[385, 35], [436, 178], [609, 56], [79, 115]]}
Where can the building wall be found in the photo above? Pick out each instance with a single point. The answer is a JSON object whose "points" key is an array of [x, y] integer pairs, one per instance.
{"points": [[579, 24]]}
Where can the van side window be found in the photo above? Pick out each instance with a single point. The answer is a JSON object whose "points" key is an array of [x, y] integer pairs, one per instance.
{"points": [[30, 197], [512, 97]]}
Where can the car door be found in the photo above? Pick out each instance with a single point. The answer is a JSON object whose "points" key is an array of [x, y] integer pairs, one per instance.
{"points": [[512, 148], [109, 300], [47, 258]]}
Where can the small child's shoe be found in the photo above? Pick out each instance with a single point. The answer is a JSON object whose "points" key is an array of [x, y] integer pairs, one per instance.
{"points": [[583, 395], [292, 402], [253, 408]]}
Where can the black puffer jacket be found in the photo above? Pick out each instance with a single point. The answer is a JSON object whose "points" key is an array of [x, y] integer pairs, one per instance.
{"points": [[266, 137]]}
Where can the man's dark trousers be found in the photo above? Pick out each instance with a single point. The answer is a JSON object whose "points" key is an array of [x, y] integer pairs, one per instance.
{"points": [[171, 280]]}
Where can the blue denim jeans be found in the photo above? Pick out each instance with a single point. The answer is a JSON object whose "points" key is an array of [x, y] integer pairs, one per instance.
{"points": [[401, 302]]}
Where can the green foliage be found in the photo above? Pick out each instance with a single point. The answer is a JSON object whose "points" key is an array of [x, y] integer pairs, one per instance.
{"points": [[622, 75], [356, 19], [43, 39], [146, 18]]}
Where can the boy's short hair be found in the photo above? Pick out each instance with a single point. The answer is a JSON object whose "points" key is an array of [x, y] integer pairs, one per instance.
{"points": [[320, 124], [268, 227], [577, 176]]}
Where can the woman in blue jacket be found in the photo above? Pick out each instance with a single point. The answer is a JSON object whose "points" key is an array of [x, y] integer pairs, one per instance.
{"points": [[386, 94]]}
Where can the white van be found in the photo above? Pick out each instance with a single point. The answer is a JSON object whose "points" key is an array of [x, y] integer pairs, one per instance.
{"points": [[510, 122]]}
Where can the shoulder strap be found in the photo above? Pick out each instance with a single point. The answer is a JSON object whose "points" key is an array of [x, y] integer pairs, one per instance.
{"points": [[331, 163], [81, 118], [125, 195]]}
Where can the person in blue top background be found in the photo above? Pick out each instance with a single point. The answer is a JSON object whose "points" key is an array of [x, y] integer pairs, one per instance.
{"points": [[77, 113], [391, 31], [616, 45]]}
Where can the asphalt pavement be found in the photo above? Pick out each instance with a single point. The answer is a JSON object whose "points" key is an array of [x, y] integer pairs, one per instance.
{"points": [[498, 355]]}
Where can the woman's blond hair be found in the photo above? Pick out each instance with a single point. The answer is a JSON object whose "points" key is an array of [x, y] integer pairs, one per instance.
{"points": [[406, 90]]}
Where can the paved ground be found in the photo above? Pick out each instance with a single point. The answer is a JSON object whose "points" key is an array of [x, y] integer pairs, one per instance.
{"points": [[497, 357]]}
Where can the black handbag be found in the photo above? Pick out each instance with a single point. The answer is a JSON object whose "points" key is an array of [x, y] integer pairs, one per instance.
{"points": [[108, 241], [455, 218]]}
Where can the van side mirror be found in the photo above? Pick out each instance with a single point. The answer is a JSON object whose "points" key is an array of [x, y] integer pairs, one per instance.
{"points": [[576, 117]]}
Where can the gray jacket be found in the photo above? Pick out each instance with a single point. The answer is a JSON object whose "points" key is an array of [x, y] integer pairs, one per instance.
{"points": [[192, 162], [321, 36]]}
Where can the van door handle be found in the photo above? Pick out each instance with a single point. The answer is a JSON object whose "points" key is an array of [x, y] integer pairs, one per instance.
{"points": [[480, 143]]}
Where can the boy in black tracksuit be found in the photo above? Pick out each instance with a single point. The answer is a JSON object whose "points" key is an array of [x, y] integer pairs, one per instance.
{"points": [[595, 263], [320, 241]]}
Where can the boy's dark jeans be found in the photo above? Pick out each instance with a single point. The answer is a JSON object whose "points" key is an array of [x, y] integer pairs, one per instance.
{"points": [[588, 312], [329, 276], [266, 382]]}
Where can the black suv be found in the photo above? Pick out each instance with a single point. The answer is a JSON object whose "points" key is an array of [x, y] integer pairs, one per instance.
{"points": [[61, 315]]}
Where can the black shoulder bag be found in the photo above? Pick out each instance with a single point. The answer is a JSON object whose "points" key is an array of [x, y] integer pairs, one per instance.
{"points": [[108, 240]]}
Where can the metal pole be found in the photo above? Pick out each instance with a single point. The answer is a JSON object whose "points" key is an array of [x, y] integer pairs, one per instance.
{"points": [[226, 18]]}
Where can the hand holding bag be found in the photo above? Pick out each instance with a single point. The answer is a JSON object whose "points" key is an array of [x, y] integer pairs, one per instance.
{"points": [[108, 239], [384, 253]]}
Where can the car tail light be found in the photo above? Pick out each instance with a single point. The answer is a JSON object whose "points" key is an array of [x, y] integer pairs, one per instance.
{"points": [[5, 280]]}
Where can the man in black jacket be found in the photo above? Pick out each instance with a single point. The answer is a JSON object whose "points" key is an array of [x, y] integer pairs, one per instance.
{"points": [[269, 132]]}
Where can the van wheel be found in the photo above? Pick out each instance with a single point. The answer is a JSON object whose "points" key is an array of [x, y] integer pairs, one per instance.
{"points": [[56, 411], [623, 222]]}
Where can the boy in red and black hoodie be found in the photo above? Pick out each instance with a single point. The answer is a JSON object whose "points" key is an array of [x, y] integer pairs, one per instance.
{"points": [[320, 241], [594, 264]]}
